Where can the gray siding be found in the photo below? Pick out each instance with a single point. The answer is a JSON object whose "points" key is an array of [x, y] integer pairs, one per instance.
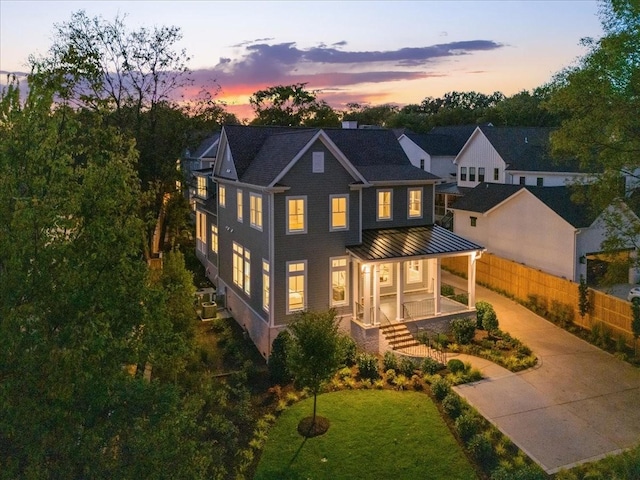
{"points": [[399, 207]]}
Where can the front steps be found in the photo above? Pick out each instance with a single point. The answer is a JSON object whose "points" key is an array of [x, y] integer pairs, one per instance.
{"points": [[398, 336]]}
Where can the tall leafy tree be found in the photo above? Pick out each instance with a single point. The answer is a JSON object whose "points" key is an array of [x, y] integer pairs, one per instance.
{"points": [[600, 97]]}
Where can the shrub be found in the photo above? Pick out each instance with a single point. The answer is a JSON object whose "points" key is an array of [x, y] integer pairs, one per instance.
{"points": [[481, 451], [400, 382], [447, 290], [527, 472], [416, 381], [406, 366], [389, 361], [490, 321], [278, 370], [561, 313], [349, 350], [390, 376], [440, 340], [440, 388], [463, 330], [431, 366], [467, 426], [452, 405], [481, 308], [368, 366], [454, 365]]}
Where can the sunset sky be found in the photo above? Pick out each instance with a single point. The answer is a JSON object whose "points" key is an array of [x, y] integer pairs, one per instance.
{"points": [[371, 52]]}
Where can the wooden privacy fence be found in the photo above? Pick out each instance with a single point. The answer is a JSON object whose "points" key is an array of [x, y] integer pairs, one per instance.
{"points": [[525, 283]]}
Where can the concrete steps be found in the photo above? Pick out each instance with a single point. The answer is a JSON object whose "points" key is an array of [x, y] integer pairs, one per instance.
{"points": [[398, 336]]}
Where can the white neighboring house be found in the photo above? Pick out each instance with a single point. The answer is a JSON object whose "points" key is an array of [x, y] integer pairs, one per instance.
{"points": [[537, 226], [514, 156]]}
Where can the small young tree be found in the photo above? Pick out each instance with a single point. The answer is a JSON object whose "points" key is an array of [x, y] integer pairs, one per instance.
{"points": [[490, 321], [584, 303], [314, 357]]}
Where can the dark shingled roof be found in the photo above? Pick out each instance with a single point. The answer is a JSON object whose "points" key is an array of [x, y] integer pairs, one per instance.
{"points": [[403, 242], [452, 188], [205, 145], [436, 144], [458, 133], [485, 196], [261, 153]]}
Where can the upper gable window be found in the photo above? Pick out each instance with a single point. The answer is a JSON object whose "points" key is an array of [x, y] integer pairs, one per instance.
{"points": [[385, 197], [415, 202], [296, 214], [255, 210], [222, 195], [339, 212], [240, 205], [317, 162]]}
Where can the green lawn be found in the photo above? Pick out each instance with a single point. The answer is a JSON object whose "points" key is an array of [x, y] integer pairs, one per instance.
{"points": [[373, 434]]}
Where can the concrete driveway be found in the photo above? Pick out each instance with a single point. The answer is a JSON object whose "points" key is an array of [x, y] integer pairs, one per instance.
{"points": [[578, 404]]}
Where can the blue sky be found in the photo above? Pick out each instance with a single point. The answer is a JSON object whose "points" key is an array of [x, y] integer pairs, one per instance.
{"points": [[352, 51]]}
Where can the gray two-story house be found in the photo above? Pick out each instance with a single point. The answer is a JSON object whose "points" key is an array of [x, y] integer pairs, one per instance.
{"points": [[311, 219]]}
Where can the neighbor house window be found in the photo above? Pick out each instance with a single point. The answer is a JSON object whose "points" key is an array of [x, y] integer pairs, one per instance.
{"points": [[242, 267], [240, 205], [472, 174], [384, 272], [296, 214], [463, 174], [496, 174], [202, 187], [415, 202], [317, 162], [474, 221], [296, 281], [339, 277], [266, 285], [384, 204], [201, 231], [481, 174], [539, 181], [222, 196], [255, 210], [522, 181], [339, 212], [422, 164], [214, 238], [414, 271]]}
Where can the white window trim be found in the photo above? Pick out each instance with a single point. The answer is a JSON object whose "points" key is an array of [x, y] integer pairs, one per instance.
{"points": [[415, 189], [244, 272], [346, 226], [202, 187], [390, 217], [408, 272], [239, 206], [332, 269], [253, 198], [305, 292], [304, 215], [222, 196]]}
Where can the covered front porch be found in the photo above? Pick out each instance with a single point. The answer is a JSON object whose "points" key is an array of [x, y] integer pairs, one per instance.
{"points": [[397, 275]]}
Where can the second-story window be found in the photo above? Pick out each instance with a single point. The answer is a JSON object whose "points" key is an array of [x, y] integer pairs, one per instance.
{"points": [[481, 174], [202, 187], [296, 214], [266, 285], [463, 174], [214, 239], [222, 196], [496, 174], [240, 205], [339, 212], [255, 210], [472, 174], [385, 198], [415, 202]]}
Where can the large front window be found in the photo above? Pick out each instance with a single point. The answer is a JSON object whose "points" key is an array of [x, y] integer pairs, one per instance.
{"points": [[384, 204], [339, 212], [415, 202], [242, 267], [296, 215], [296, 281], [339, 277], [414, 271], [255, 206]]}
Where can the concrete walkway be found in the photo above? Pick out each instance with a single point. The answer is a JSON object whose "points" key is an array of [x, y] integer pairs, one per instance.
{"points": [[578, 404]]}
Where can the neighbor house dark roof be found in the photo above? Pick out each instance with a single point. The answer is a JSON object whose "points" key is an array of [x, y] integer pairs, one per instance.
{"points": [[402, 242], [486, 196], [459, 134], [260, 154], [205, 147], [435, 144]]}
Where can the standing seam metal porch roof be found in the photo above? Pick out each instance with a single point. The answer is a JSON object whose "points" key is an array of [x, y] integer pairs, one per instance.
{"points": [[403, 242]]}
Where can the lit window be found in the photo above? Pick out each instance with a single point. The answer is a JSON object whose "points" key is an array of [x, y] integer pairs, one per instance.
{"points": [[296, 280], [339, 212], [339, 277], [415, 202], [202, 187], [296, 215], [239, 203], [266, 284], [472, 174], [255, 207], [463, 174], [481, 174], [384, 204], [201, 231], [474, 220], [414, 271], [317, 162], [384, 271], [222, 196], [214, 238], [247, 272], [242, 267]]}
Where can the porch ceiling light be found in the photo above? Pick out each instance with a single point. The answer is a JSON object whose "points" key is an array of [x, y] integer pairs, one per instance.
{"points": [[366, 268]]}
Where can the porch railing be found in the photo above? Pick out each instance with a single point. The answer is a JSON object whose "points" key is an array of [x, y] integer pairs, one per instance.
{"points": [[383, 319], [419, 309]]}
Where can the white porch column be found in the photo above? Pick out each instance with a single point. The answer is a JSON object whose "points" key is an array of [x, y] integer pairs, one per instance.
{"points": [[355, 283], [376, 294], [437, 303], [399, 291], [471, 282], [366, 295]]}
